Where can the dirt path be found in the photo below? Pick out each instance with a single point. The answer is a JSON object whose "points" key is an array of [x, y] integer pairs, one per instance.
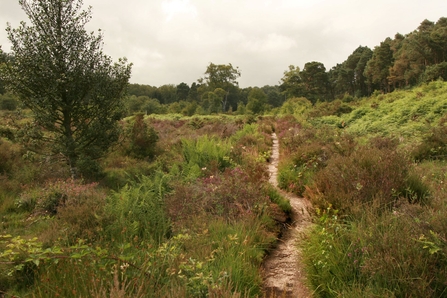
{"points": [[283, 272]]}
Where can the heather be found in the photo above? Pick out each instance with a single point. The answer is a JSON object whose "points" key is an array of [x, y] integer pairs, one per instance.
{"points": [[180, 207], [376, 179]]}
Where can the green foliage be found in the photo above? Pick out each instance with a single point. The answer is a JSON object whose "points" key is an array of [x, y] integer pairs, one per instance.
{"points": [[434, 144], [8, 102], [221, 79], [144, 104], [278, 199], [142, 139], [379, 254], [257, 101], [404, 114], [207, 150], [301, 167], [138, 210], [415, 190], [60, 72], [389, 229], [295, 106]]}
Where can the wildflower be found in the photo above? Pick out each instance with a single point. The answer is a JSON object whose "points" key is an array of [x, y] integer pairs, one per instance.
{"points": [[124, 266]]}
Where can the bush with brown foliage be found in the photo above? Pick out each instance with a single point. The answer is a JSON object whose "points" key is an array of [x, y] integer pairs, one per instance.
{"points": [[366, 175]]}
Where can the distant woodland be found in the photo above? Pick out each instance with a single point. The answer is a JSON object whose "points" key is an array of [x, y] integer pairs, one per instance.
{"points": [[400, 62]]}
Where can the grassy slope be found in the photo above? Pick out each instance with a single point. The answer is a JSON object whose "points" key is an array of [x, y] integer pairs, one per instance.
{"points": [[371, 240]]}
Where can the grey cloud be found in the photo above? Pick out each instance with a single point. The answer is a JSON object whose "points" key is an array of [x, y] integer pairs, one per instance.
{"points": [[173, 41]]}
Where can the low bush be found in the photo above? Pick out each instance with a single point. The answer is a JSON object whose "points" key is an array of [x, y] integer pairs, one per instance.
{"points": [[142, 139], [10, 156], [231, 195], [55, 194], [369, 175], [434, 144]]}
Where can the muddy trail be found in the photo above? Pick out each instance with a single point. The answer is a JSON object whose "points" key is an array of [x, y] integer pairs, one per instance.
{"points": [[282, 270]]}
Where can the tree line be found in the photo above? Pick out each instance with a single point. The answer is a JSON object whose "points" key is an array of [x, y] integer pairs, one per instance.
{"points": [[402, 62]]}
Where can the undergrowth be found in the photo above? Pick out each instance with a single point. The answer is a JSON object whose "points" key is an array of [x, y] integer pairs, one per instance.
{"points": [[192, 217]]}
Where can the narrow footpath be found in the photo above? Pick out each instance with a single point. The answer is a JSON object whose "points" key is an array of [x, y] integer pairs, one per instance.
{"points": [[283, 272]]}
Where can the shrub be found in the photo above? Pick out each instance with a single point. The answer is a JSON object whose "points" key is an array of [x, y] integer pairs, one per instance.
{"points": [[78, 218], [142, 139], [434, 145], [230, 195], [9, 156], [367, 175], [55, 194]]}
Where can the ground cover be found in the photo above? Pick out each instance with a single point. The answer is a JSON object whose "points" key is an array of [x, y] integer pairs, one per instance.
{"points": [[192, 217]]}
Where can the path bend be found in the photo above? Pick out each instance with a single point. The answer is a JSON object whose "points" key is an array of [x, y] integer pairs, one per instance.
{"points": [[283, 270]]}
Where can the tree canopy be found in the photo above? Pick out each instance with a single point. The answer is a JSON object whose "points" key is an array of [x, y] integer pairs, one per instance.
{"points": [[60, 72], [223, 76]]}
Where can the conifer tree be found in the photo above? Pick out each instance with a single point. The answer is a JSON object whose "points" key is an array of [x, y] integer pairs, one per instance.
{"points": [[60, 72]]}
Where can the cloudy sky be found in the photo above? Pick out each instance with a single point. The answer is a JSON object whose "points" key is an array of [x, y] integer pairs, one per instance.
{"points": [[173, 41]]}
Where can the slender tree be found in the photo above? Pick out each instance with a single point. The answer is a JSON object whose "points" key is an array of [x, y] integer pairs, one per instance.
{"points": [[60, 72]]}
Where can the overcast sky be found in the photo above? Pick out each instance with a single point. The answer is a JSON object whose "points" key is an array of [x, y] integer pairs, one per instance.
{"points": [[173, 41]]}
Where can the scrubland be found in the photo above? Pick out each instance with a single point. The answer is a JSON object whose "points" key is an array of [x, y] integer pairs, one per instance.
{"points": [[181, 206]]}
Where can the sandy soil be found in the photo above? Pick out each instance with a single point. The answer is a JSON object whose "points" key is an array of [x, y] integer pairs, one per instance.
{"points": [[283, 271]]}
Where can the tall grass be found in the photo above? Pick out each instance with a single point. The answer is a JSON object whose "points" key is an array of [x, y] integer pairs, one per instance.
{"points": [[395, 254]]}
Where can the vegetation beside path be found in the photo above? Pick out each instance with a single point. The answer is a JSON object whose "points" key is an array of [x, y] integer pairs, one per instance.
{"points": [[182, 207], [192, 217], [376, 177]]}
